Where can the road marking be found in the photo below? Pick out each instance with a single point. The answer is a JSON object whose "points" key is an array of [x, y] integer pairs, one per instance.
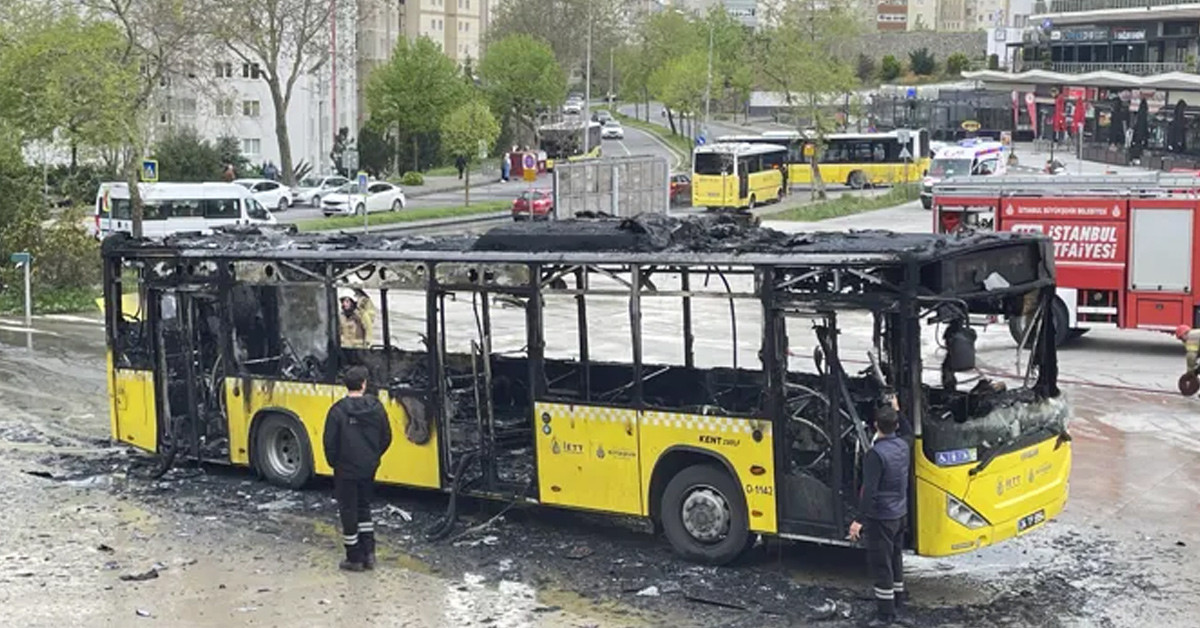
{"points": [[676, 156], [624, 147], [67, 318], [27, 330]]}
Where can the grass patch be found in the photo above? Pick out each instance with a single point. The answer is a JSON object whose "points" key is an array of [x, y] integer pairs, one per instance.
{"points": [[49, 301], [404, 215], [849, 204], [679, 143]]}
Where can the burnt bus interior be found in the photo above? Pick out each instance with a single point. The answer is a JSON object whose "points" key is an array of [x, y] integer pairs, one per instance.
{"points": [[704, 316]]}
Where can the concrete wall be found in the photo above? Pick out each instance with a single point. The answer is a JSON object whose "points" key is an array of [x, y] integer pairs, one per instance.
{"points": [[942, 45]]}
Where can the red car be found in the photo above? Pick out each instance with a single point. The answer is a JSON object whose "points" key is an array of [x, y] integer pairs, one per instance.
{"points": [[681, 189], [534, 204]]}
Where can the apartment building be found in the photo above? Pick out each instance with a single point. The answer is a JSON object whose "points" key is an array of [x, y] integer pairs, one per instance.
{"points": [[891, 15], [966, 15]]}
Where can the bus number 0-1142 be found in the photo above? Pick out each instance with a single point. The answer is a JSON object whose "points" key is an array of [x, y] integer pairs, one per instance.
{"points": [[751, 489]]}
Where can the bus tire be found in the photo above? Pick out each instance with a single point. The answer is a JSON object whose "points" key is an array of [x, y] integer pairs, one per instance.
{"points": [[1063, 333], [282, 453], [857, 180], [753, 201], [703, 514]]}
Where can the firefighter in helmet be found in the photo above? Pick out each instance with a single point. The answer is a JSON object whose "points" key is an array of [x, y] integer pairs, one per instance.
{"points": [[356, 316], [1189, 384]]}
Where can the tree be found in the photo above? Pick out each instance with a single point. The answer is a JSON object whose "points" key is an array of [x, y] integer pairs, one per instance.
{"points": [[922, 62], [865, 69], [465, 131], [993, 61], [414, 91], [229, 151], [890, 68], [162, 38], [521, 78], [184, 156], [283, 39], [679, 85], [807, 58], [957, 63], [563, 25], [67, 79]]}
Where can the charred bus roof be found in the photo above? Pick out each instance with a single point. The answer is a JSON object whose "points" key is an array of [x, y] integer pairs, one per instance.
{"points": [[642, 239]]}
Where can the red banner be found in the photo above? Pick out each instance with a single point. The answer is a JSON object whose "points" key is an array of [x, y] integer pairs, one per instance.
{"points": [[1080, 110], [1031, 104], [1060, 113]]}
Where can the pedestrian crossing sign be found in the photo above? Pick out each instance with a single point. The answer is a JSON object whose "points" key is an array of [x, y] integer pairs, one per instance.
{"points": [[149, 171]]}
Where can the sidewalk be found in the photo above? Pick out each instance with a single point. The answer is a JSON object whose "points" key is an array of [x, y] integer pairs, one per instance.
{"points": [[1032, 160], [437, 184]]}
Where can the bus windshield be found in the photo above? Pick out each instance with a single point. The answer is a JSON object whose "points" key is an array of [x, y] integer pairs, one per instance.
{"points": [[712, 163], [949, 167]]}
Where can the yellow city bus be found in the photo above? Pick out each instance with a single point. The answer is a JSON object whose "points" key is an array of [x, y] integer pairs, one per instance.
{"points": [[853, 159], [737, 175], [642, 367], [569, 140]]}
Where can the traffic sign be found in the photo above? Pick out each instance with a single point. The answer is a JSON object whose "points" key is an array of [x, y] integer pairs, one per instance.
{"points": [[362, 183], [20, 258], [529, 162], [530, 174], [904, 154], [699, 140], [903, 136], [350, 159], [149, 171]]}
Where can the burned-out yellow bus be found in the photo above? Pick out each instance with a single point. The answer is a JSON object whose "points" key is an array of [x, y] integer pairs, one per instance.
{"points": [[713, 377]]}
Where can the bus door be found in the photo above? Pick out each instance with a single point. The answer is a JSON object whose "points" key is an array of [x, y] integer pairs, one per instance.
{"points": [[817, 467], [185, 324], [741, 170]]}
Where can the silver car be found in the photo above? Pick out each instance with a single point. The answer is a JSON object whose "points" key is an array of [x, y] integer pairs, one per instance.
{"points": [[311, 189]]}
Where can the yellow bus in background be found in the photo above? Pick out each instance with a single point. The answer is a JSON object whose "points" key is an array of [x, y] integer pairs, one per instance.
{"points": [[729, 175], [857, 160]]}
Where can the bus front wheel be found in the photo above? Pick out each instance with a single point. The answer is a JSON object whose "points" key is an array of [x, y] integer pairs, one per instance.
{"points": [[1062, 326], [704, 515], [282, 453], [857, 180], [753, 202]]}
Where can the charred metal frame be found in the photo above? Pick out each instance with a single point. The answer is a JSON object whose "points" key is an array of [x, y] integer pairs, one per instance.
{"points": [[892, 285]]}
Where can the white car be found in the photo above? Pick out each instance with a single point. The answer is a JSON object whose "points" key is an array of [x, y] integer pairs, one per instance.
{"points": [[271, 194], [612, 131], [381, 196], [573, 108], [310, 190]]}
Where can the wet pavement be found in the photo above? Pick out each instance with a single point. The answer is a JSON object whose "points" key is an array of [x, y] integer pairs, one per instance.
{"points": [[76, 514]]}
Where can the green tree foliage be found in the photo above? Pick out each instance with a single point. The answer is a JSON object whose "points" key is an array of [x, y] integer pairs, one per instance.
{"points": [[890, 68], [957, 63], [376, 151], [414, 91], [563, 25], [679, 84], [69, 79], [993, 62], [922, 62], [185, 156], [521, 77], [808, 57], [865, 69], [229, 151], [463, 132]]}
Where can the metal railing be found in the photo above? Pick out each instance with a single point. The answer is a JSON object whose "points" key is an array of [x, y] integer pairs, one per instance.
{"points": [[1076, 6], [1137, 69]]}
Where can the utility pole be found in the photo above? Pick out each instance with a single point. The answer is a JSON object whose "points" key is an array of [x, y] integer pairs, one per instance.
{"points": [[333, 119], [708, 83], [587, 89], [611, 97]]}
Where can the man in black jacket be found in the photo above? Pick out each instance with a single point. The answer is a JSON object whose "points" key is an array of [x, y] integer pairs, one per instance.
{"points": [[883, 507], [356, 435]]}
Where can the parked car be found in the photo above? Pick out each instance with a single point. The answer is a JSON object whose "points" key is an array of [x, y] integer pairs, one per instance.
{"points": [[533, 205], [271, 194], [310, 190], [602, 116], [346, 200], [612, 130], [681, 189]]}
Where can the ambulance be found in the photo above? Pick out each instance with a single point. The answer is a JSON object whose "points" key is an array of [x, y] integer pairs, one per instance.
{"points": [[969, 158]]}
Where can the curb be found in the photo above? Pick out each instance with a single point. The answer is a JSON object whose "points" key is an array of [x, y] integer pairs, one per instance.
{"points": [[421, 225]]}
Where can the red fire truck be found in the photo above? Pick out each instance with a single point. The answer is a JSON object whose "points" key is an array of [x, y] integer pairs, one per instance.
{"points": [[1125, 245]]}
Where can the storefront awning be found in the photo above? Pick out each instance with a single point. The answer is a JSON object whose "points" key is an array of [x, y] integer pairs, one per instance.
{"points": [[1009, 80]]}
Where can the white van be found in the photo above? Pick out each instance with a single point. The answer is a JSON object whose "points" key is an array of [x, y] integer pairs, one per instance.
{"points": [[176, 207], [967, 158]]}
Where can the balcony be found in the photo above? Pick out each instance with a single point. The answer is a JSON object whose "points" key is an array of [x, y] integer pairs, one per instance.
{"points": [[1136, 69]]}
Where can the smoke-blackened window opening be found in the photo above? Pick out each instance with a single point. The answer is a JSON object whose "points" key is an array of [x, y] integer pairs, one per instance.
{"points": [[281, 331]]}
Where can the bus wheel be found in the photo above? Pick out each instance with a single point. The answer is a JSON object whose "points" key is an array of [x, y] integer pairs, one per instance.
{"points": [[753, 202], [857, 180], [282, 454], [1062, 330], [704, 515]]}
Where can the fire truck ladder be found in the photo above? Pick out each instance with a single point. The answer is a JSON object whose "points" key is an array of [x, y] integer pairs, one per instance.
{"points": [[1124, 185]]}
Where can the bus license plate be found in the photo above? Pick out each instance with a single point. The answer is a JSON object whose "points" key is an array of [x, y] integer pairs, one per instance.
{"points": [[1029, 521]]}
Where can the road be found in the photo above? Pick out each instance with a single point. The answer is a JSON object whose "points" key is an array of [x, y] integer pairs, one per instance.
{"points": [[235, 551], [488, 187]]}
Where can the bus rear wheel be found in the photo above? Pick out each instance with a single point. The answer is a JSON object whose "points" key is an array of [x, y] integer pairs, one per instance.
{"points": [[857, 180], [753, 202], [282, 453], [704, 515], [1062, 330]]}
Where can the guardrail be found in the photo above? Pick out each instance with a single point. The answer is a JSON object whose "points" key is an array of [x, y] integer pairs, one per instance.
{"points": [[1136, 69], [1076, 6]]}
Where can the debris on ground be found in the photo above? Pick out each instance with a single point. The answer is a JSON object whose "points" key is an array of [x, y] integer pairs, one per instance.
{"points": [[831, 609], [141, 612], [104, 548], [650, 591], [149, 574], [579, 552], [490, 540], [700, 599], [396, 511]]}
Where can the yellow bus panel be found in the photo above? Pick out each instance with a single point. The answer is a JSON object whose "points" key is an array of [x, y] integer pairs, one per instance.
{"points": [[132, 400], [403, 463], [1029, 485], [730, 438], [588, 457]]}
